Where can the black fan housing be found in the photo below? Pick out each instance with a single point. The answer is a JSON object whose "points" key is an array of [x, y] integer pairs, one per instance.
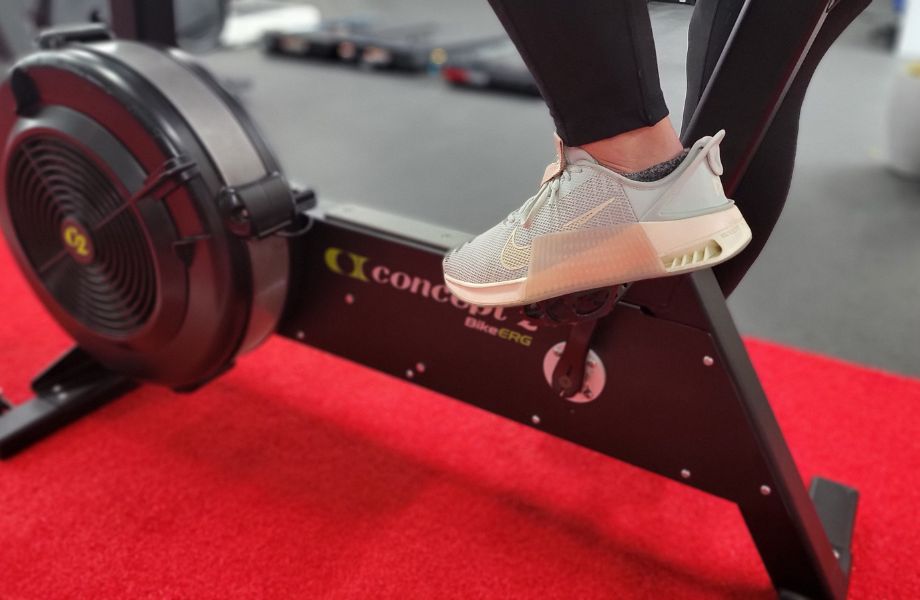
{"points": [[115, 161]]}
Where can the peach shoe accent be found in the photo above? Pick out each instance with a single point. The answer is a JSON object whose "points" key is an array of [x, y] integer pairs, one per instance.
{"points": [[554, 169]]}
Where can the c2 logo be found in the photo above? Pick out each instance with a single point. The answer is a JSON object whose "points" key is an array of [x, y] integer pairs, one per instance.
{"points": [[77, 241]]}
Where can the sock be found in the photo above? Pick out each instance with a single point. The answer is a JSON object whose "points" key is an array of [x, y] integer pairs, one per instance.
{"points": [[659, 171]]}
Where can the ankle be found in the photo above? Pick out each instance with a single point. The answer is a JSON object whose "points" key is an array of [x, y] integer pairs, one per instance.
{"points": [[638, 149]]}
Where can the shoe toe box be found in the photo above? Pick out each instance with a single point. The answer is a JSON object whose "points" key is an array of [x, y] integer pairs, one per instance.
{"points": [[478, 262]]}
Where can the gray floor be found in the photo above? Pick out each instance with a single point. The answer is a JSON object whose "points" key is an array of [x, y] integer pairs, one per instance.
{"points": [[841, 274]]}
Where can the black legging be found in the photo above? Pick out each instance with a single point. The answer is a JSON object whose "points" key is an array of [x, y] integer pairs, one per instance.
{"points": [[595, 63]]}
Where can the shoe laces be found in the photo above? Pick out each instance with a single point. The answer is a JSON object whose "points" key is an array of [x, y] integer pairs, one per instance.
{"points": [[547, 195]]}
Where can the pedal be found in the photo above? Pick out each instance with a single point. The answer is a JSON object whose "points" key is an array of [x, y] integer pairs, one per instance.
{"points": [[575, 308], [582, 311]]}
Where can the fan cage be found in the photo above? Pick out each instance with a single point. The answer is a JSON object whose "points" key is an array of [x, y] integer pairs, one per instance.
{"points": [[111, 287]]}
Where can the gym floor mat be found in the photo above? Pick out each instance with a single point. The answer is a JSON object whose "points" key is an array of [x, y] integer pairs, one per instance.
{"points": [[301, 475]]}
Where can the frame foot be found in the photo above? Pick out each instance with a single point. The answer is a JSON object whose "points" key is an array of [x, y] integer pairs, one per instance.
{"points": [[836, 506], [72, 387]]}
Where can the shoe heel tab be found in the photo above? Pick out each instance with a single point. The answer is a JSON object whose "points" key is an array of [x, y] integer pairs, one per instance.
{"points": [[710, 148]]}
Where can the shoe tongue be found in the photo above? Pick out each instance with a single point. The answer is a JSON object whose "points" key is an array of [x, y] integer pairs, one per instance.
{"points": [[575, 154], [572, 155]]}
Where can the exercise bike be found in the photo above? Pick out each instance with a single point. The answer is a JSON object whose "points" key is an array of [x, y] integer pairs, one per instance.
{"points": [[155, 225]]}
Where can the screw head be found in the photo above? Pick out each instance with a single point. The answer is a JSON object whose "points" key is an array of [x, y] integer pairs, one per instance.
{"points": [[410, 373], [349, 299], [535, 419], [836, 554], [765, 490], [57, 389], [420, 367], [685, 473], [708, 361], [301, 335]]}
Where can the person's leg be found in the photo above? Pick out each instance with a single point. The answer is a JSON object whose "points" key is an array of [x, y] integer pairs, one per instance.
{"points": [[595, 64]]}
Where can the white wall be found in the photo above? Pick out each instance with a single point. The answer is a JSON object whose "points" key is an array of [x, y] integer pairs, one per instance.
{"points": [[909, 45]]}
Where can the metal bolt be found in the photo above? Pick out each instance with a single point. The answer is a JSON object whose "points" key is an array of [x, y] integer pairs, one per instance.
{"points": [[349, 299], [836, 554], [301, 335], [57, 389], [420, 367], [765, 490], [410, 373], [535, 419], [708, 361], [685, 473]]}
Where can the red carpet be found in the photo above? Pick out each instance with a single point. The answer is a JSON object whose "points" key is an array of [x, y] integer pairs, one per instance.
{"points": [[300, 475]]}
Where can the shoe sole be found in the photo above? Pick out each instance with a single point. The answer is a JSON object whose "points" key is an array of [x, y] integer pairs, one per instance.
{"points": [[573, 261]]}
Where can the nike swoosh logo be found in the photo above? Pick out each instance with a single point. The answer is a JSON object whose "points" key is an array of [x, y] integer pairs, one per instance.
{"points": [[585, 218], [514, 257]]}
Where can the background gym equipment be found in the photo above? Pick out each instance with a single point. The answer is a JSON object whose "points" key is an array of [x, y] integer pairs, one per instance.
{"points": [[494, 67], [320, 43], [411, 48], [164, 256], [198, 22]]}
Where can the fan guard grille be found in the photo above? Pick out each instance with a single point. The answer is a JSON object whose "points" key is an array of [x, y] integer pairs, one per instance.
{"points": [[50, 184]]}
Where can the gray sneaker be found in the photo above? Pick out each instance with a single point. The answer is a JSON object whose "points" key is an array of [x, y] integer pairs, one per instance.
{"points": [[589, 227]]}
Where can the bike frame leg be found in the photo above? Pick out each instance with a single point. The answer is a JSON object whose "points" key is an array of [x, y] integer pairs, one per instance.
{"points": [[781, 516]]}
